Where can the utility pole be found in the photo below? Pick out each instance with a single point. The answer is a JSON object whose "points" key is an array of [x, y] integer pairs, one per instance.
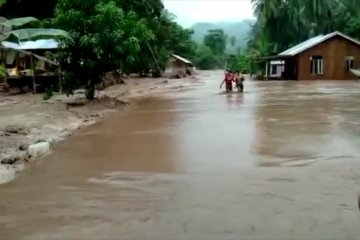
{"points": [[153, 55]]}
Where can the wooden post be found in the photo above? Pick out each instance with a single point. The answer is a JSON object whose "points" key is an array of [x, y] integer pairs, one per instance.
{"points": [[33, 73], [60, 80], [266, 70]]}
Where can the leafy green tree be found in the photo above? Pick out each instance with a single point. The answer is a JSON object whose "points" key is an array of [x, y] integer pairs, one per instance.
{"points": [[216, 40], [353, 27], [169, 37], [147, 9], [233, 41], [180, 41], [154, 54], [104, 38], [240, 62], [205, 58]]}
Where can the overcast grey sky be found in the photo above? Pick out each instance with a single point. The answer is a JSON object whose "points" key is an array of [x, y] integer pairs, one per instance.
{"points": [[189, 12]]}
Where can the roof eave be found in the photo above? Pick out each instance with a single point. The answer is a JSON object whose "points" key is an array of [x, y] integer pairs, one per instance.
{"points": [[276, 57], [325, 38], [287, 55]]}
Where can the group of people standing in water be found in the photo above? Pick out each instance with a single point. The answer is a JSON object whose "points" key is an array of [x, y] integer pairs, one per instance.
{"points": [[233, 77]]}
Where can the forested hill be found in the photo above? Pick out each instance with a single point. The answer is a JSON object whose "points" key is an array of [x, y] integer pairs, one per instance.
{"points": [[237, 33]]}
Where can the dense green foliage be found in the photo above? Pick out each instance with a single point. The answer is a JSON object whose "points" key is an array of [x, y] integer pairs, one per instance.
{"points": [[3, 73], [240, 62], [216, 40], [211, 53], [104, 38], [205, 58], [239, 31]]}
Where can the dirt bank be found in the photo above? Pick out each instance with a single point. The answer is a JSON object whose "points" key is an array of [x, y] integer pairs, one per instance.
{"points": [[28, 119]]}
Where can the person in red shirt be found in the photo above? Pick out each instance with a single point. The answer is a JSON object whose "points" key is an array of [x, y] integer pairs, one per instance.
{"points": [[229, 79]]}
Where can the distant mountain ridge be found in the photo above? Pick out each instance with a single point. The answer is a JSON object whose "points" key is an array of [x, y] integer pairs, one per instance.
{"points": [[240, 30]]}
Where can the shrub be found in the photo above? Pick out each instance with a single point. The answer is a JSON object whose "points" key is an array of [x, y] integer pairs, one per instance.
{"points": [[3, 73]]}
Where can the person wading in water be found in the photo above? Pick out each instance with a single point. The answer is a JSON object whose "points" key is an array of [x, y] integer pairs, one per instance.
{"points": [[229, 79], [239, 80]]}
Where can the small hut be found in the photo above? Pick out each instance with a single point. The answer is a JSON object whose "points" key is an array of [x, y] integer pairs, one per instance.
{"points": [[181, 67], [27, 65]]}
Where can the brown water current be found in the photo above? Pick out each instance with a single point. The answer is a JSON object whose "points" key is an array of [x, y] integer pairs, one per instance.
{"points": [[280, 161]]}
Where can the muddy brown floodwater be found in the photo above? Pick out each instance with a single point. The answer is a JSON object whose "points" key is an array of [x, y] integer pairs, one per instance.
{"points": [[281, 161]]}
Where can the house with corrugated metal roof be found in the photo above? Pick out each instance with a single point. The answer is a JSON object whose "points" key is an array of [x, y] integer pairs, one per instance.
{"points": [[27, 65], [326, 57]]}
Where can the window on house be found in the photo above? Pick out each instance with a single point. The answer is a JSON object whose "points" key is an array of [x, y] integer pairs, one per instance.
{"points": [[349, 61], [317, 65]]}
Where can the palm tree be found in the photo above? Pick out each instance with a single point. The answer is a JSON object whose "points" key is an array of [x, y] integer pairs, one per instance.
{"points": [[265, 9], [280, 19]]}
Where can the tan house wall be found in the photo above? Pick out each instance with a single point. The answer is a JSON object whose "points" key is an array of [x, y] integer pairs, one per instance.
{"points": [[178, 68]]}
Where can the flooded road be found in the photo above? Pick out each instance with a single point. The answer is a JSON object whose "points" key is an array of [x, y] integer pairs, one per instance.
{"points": [[281, 161]]}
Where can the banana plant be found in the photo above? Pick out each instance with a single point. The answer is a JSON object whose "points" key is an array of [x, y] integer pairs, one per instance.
{"points": [[30, 29]]}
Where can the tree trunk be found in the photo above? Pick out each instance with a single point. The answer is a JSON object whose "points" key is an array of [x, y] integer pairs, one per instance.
{"points": [[33, 74], [90, 91], [118, 77], [156, 74], [61, 81]]}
